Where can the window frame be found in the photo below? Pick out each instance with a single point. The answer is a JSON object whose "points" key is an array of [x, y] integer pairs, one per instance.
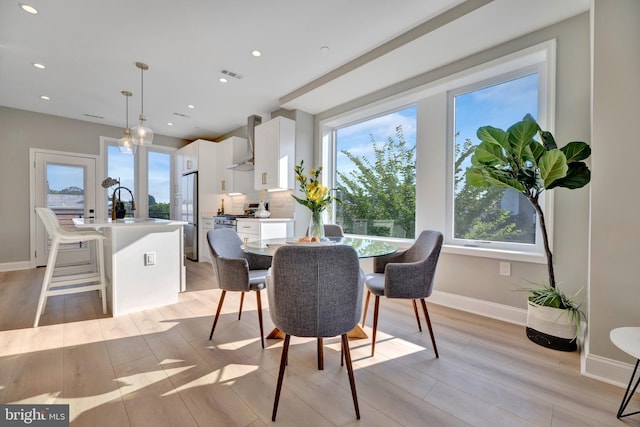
{"points": [[433, 156], [501, 246], [329, 147], [140, 175]]}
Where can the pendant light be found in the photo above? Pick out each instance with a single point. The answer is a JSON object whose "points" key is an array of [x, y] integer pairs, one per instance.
{"points": [[142, 134], [125, 144]]}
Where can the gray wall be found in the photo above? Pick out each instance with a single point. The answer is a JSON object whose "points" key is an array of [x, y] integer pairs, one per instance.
{"points": [[615, 207], [21, 130]]}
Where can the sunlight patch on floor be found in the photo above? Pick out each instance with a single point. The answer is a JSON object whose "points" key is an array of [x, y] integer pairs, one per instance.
{"points": [[224, 375]]}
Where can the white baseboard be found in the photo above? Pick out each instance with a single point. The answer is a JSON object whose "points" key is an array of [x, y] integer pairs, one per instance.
{"points": [[607, 370], [483, 308], [10, 266]]}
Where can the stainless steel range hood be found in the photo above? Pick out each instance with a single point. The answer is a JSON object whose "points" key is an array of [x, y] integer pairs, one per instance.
{"points": [[247, 163]]}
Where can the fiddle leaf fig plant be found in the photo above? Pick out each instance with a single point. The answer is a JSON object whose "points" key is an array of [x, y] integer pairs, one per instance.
{"points": [[527, 159]]}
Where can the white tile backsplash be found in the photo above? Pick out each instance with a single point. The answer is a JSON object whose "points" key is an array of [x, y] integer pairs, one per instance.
{"points": [[281, 204]]}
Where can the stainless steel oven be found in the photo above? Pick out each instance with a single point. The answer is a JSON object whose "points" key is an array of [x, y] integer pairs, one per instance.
{"points": [[224, 221]]}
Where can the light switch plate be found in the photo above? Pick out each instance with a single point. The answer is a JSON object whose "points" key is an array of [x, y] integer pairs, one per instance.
{"points": [[505, 268], [150, 258]]}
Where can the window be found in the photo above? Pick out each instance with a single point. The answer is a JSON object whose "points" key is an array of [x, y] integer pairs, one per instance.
{"points": [[491, 217], [120, 166], [147, 174], [375, 175], [159, 182]]}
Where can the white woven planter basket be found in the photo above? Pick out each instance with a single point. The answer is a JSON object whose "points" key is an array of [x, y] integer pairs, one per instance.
{"points": [[552, 321]]}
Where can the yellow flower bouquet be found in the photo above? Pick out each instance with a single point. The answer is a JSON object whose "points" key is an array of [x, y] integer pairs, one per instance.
{"points": [[317, 197]]}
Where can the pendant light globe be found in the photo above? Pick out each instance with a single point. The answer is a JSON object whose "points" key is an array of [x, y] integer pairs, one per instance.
{"points": [[125, 144], [142, 133]]}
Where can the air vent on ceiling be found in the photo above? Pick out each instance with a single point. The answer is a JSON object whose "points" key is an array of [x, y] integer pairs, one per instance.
{"points": [[182, 115], [231, 74], [93, 116]]}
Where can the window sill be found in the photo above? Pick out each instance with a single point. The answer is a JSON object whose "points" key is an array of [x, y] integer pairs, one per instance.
{"points": [[495, 253]]}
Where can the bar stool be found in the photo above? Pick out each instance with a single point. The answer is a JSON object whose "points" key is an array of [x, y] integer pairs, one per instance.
{"points": [[627, 339], [55, 281]]}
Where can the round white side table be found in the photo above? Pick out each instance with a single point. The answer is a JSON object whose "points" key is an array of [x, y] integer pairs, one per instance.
{"points": [[627, 339]]}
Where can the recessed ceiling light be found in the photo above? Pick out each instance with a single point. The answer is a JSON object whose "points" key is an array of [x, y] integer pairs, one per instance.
{"points": [[169, 124], [27, 8], [256, 53], [191, 106], [45, 97], [324, 49], [42, 67], [222, 80]]}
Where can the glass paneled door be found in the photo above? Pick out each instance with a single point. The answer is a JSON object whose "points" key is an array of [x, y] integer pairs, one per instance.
{"points": [[66, 184]]}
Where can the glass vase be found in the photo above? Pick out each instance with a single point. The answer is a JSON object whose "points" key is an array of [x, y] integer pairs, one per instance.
{"points": [[316, 227]]}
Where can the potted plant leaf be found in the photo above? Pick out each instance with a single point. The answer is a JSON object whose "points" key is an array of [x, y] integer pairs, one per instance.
{"points": [[516, 159]]}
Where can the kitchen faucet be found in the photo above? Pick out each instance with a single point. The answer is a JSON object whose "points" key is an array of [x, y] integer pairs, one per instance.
{"points": [[118, 210]]}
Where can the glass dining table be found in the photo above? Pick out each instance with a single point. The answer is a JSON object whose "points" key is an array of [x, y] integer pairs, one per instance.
{"points": [[366, 248]]}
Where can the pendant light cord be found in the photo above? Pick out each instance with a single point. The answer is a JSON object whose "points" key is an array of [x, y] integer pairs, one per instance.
{"points": [[142, 92]]}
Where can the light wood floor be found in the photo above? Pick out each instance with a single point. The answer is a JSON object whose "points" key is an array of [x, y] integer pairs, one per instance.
{"points": [[158, 368]]}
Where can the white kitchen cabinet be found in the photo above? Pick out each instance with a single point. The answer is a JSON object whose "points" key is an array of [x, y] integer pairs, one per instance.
{"points": [[190, 156], [206, 224], [231, 151], [275, 154], [250, 229]]}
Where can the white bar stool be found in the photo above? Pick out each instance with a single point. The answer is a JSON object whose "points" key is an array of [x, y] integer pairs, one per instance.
{"points": [[627, 339], [62, 284]]}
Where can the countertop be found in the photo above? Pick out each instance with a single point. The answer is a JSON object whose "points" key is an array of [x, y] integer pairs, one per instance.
{"points": [[125, 222], [266, 219]]}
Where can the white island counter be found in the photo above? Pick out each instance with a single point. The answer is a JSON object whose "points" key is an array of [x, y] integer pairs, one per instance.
{"points": [[144, 261]]}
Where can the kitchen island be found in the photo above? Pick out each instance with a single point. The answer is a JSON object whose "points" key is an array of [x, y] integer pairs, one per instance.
{"points": [[144, 261]]}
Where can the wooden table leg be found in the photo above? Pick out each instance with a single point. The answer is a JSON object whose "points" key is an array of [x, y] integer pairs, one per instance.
{"points": [[356, 333]]}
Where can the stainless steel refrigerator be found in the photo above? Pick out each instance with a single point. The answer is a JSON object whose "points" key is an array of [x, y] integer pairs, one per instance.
{"points": [[189, 213]]}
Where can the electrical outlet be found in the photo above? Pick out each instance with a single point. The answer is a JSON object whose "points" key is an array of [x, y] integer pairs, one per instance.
{"points": [[150, 258], [505, 268]]}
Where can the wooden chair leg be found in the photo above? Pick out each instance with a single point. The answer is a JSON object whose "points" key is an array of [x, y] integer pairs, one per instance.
{"points": [[283, 364], [376, 306], [320, 355], [415, 310], [215, 319], [341, 353], [241, 302], [352, 380], [259, 302], [366, 306], [433, 339]]}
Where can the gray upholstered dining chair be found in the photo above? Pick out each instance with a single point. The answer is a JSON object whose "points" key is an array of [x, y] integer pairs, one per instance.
{"points": [[409, 275], [236, 270], [315, 291]]}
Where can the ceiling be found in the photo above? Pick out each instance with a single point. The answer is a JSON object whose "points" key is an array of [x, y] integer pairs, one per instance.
{"points": [[90, 47]]}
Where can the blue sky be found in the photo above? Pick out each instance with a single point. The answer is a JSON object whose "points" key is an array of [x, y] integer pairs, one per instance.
{"points": [[357, 138], [499, 106]]}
